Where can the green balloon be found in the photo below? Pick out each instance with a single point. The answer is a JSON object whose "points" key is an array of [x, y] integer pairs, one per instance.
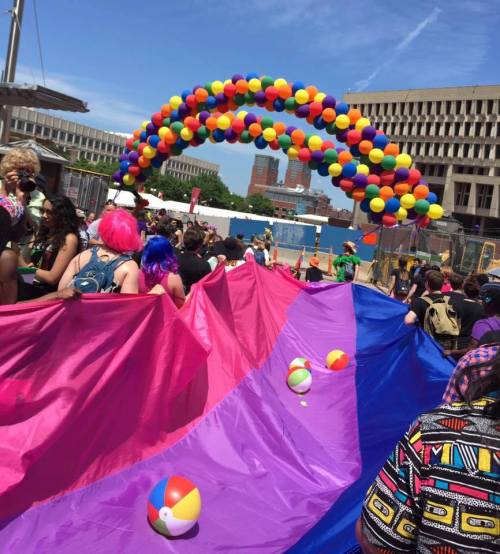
{"points": [[249, 98], [208, 88], [372, 191], [136, 144], [203, 107], [284, 141], [364, 160], [331, 128], [306, 140], [388, 162], [246, 137], [421, 207], [348, 194], [266, 122], [330, 156], [175, 150], [313, 164], [166, 122], [267, 82], [239, 99], [202, 132], [177, 127], [290, 104]]}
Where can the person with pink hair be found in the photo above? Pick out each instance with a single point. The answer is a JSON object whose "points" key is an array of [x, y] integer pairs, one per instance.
{"points": [[108, 267]]}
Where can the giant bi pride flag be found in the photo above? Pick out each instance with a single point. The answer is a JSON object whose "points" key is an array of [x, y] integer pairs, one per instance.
{"points": [[103, 397]]}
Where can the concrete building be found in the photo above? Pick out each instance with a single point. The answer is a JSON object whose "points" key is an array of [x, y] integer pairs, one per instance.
{"points": [[453, 135], [290, 202], [185, 167], [297, 173], [264, 174]]}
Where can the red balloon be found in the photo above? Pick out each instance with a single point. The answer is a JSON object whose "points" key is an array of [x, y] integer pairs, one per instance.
{"points": [[373, 179], [304, 155], [271, 93], [346, 185], [230, 90], [327, 144], [163, 147], [191, 101], [389, 220], [129, 143], [387, 177], [423, 222], [353, 137], [370, 239], [238, 125], [141, 147], [134, 170], [157, 119], [315, 108], [274, 145], [414, 177]]}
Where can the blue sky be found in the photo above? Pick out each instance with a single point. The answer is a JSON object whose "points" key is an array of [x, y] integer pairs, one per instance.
{"points": [[125, 58]]}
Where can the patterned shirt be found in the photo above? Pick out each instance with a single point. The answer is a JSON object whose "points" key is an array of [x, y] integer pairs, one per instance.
{"points": [[480, 355], [439, 491]]}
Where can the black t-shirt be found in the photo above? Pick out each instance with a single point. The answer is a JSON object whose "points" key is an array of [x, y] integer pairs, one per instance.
{"points": [[469, 312], [314, 274], [192, 269], [419, 306], [401, 275], [419, 280]]}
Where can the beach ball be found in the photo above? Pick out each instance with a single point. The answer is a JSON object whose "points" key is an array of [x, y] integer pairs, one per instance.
{"points": [[299, 380], [337, 360], [174, 506], [298, 363]]}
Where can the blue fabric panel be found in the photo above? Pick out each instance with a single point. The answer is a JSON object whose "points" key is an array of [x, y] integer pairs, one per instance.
{"points": [[334, 237], [295, 236], [247, 227]]}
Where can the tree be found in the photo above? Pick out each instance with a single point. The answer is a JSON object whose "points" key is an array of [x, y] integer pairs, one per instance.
{"points": [[260, 205], [99, 167]]}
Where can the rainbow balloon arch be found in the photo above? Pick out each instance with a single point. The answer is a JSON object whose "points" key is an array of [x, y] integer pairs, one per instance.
{"points": [[370, 169]]}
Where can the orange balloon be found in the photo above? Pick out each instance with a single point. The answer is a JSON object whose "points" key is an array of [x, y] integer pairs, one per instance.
{"points": [[255, 130], [143, 162], [211, 123], [310, 119], [166, 110], [269, 106], [279, 127], [358, 195], [137, 133], [421, 192], [329, 115], [241, 86], [298, 136], [312, 91], [386, 192], [365, 146], [231, 104], [391, 149], [401, 188], [201, 94], [370, 239], [353, 114], [285, 91], [345, 157]]}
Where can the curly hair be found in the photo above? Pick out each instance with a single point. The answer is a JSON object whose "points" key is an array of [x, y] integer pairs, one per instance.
{"points": [[157, 260], [19, 159], [65, 222]]}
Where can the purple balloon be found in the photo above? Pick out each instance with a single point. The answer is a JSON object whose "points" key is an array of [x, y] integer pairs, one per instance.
{"points": [[376, 169], [412, 214], [336, 181], [368, 132], [236, 77], [249, 119], [118, 176], [401, 174], [302, 111], [329, 102], [260, 97], [133, 157], [290, 129], [317, 156], [151, 129], [360, 180], [204, 115], [184, 110], [141, 177], [376, 217], [342, 135], [340, 149], [230, 134], [220, 98], [124, 157]]}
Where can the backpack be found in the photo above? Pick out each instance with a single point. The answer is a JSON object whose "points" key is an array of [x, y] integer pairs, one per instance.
{"points": [[403, 285], [97, 275], [349, 269], [441, 320], [260, 257]]}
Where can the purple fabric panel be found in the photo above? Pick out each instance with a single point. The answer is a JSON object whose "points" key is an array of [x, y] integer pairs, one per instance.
{"points": [[267, 467]]}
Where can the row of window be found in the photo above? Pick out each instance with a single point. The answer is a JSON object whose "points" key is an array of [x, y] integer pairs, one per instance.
{"points": [[484, 195], [455, 150], [440, 129], [443, 107], [59, 136], [95, 157]]}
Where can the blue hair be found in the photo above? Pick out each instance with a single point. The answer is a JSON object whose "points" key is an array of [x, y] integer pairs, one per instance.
{"points": [[157, 260]]}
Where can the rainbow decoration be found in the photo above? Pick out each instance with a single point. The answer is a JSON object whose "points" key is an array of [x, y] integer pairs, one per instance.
{"points": [[371, 170], [112, 395]]}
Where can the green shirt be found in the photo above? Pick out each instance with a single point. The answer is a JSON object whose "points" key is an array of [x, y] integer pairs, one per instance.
{"points": [[344, 262]]}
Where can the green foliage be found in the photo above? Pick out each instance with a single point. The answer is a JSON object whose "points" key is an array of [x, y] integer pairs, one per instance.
{"points": [[99, 167], [260, 205]]}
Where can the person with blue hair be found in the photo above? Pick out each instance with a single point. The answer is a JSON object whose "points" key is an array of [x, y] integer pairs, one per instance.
{"points": [[159, 271]]}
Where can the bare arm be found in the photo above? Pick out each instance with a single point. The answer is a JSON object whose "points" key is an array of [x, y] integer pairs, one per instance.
{"points": [[177, 288], [130, 283], [412, 292], [392, 284], [63, 258], [411, 318]]}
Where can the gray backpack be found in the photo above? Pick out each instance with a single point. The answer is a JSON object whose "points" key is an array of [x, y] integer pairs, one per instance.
{"points": [[97, 275]]}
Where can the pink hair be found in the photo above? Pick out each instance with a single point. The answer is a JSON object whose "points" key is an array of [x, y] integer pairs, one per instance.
{"points": [[118, 230]]}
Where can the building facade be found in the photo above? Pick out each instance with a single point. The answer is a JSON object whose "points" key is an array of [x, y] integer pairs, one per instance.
{"points": [[290, 202], [453, 135], [185, 167], [297, 174], [264, 174]]}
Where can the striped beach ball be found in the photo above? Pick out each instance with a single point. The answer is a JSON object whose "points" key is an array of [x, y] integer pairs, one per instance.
{"points": [[337, 360], [297, 363], [174, 506], [299, 380]]}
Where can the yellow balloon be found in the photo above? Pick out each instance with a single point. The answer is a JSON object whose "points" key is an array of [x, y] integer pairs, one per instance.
{"points": [[361, 123], [186, 134], [162, 131], [280, 82], [335, 169], [254, 85], [407, 201], [401, 214], [377, 205], [319, 97], [301, 96], [342, 121], [149, 152], [362, 169], [128, 179], [315, 143], [144, 124], [175, 101], [228, 82], [242, 114], [403, 160], [376, 155], [293, 153], [223, 122], [217, 86], [435, 211], [269, 134]]}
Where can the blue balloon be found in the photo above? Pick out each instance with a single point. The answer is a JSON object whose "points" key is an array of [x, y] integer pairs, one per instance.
{"points": [[341, 108], [432, 198], [157, 162], [380, 141], [211, 102], [143, 136], [124, 166], [182, 144], [260, 142], [279, 105], [319, 122], [175, 116], [392, 205], [349, 170], [154, 140], [219, 135], [252, 76], [355, 151], [185, 93], [365, 205], [323, 170], [297, 86]]}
